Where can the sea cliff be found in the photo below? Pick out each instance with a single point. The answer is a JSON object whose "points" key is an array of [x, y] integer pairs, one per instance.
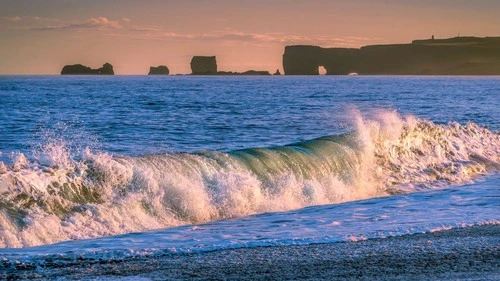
{"points": [[453, 56]]}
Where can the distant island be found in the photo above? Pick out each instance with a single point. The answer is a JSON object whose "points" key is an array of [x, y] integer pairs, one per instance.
{"points": [[160, 70], [452, 56], [203, 65], [79, 69]]}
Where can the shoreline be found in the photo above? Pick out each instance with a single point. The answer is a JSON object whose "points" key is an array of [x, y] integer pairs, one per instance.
{"points": [[471, 253]]}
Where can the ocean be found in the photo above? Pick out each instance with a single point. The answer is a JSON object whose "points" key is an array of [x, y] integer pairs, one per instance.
{"points": [[96, 168]]}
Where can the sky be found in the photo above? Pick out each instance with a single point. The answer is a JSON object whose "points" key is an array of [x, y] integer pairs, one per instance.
{"points": [[40, 37]]}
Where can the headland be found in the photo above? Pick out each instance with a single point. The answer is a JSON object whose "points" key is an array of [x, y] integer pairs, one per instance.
{"points": [[452, 56]]}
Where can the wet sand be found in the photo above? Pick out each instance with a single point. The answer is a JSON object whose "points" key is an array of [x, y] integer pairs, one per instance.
{"points": [[460, 254]]}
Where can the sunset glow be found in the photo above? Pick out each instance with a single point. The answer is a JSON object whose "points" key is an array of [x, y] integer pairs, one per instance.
{"points": [[41, 37]]}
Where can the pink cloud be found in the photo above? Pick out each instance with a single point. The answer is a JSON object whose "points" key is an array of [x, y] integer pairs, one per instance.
{"points": [[12, 19], [229, 35], [98, 23], [103, 22], [28, 19]]}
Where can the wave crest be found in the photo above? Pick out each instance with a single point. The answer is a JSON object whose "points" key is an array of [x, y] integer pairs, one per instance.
{"points": [[56, 197]]}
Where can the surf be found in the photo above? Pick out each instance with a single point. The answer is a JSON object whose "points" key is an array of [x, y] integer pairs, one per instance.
{"points": [[57, 196]]}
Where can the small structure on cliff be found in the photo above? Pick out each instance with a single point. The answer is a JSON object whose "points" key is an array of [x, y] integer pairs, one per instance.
{"points": [[453, 56], [79, 69], [159, 70], [201, 65]]}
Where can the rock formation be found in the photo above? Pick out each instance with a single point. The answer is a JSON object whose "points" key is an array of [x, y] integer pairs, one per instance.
{"points": [[248, 72], [277, 72], [106, 69], [160, 70], [203, 65], [255, 72], [78, 69], [208, 66], [453, 56]]}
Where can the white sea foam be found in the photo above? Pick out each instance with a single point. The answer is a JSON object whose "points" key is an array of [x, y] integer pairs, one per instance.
{"points": [[352, 221]]}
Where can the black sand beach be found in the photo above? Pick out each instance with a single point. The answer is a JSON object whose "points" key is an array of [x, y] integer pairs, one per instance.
{"points": [[471, 253]]}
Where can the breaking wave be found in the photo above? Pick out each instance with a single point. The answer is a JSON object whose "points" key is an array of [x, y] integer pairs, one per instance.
{"points": [[54, 197]]}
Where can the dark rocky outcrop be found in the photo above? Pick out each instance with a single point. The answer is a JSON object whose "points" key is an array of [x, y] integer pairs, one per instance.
{"points": [[203, 65], [160, 70], [78, 69], [106, 69], [453, 56], [277, 72], [255, 72], [208, 66], [248, 72]]}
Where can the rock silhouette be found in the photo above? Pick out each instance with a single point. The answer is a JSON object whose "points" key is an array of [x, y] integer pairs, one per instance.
{"points": [[277, 72], [160, 70], [203, 65], [208, 66], [79, 69], [254, 72], [248, 72], [453, 56]]}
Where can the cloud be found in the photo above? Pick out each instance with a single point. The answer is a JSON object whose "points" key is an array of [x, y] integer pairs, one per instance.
{"points": [[329, 41], [103, 22], [99, 23], [229, 35], [144, 29], [19, 19], [12, 19]]}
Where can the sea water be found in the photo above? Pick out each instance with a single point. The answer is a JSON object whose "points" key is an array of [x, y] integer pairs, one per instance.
{"points": [[120, 166]]}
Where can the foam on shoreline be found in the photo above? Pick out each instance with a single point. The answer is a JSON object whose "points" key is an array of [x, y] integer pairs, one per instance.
{"points": [[459, 254]]}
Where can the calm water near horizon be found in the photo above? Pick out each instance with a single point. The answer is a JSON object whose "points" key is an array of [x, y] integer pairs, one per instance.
{"points": [[136, 115], [196, 163]]}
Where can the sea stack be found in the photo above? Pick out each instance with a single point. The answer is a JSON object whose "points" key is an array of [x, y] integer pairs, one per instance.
{"points": [[79, 69], [160, 70], [201, 65], [277, 72]]}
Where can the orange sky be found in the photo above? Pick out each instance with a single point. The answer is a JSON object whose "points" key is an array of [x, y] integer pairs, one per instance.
{"points": [[40, 37]]}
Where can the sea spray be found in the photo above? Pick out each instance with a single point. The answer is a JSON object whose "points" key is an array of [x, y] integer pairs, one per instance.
{"points": [[55, 196]]}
